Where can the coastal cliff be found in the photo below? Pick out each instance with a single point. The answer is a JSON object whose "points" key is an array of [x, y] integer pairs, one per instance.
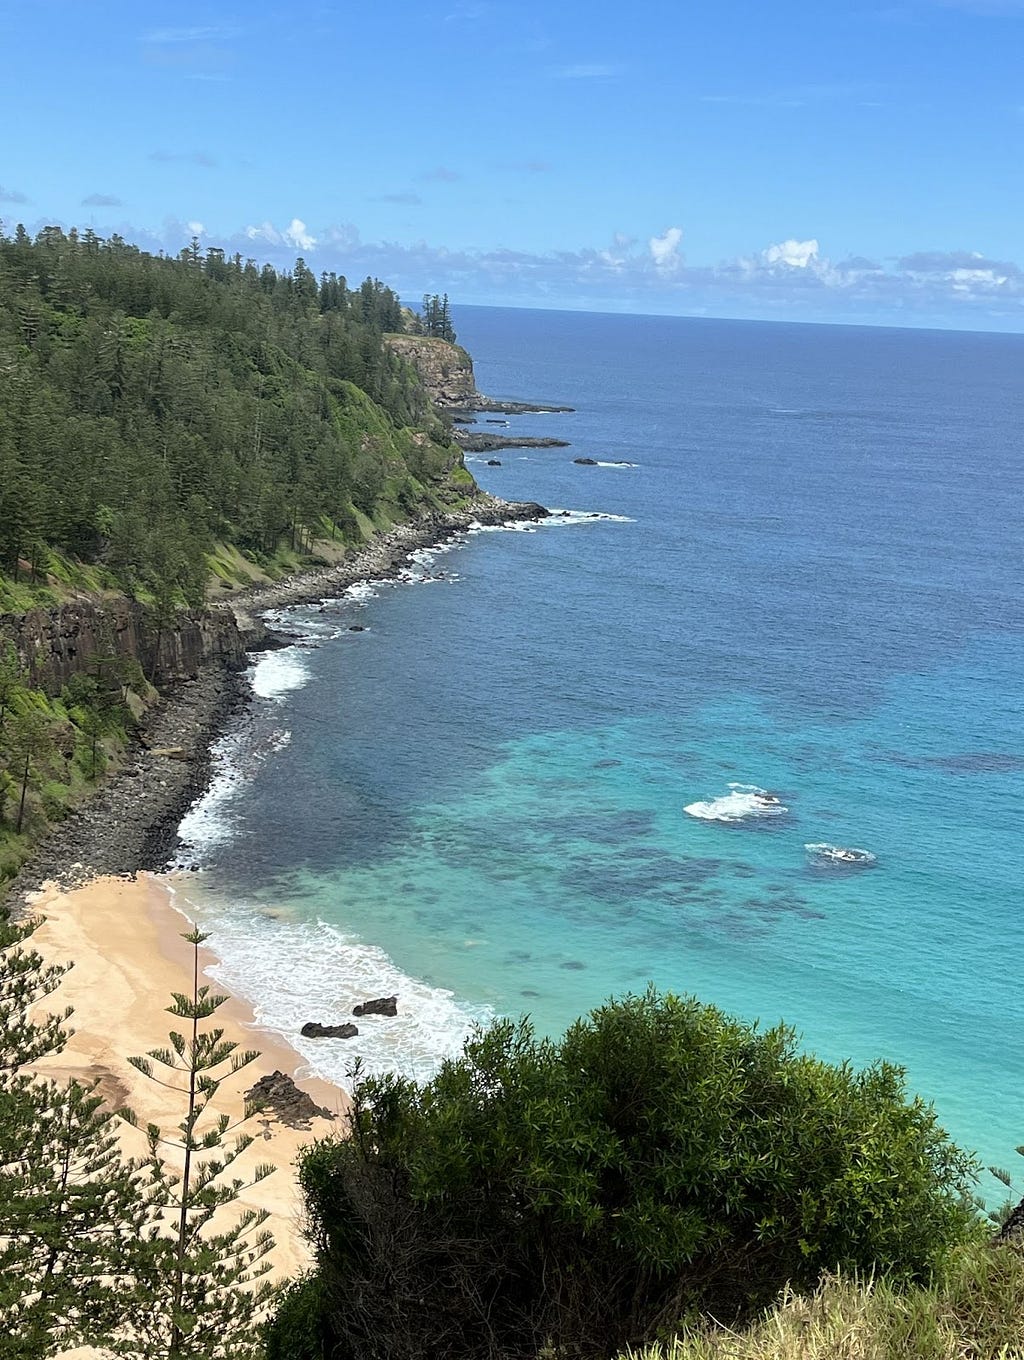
{"points": [[444, 369], [55, 644]]}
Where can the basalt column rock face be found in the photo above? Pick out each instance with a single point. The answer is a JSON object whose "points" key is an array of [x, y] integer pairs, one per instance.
{"points": [[70, 639]]}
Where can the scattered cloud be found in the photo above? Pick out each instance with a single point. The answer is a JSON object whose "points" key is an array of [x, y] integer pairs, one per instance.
{"points": [[101, 201], [201, 158], [946, 261], [409, 200], [196, 228], [440, 175], [467, 13], [195, 33], [295, 236], [526, 167], [791, 254], [595, 70], [791, 279], [665, 250], [12, 195], [196, 51]]}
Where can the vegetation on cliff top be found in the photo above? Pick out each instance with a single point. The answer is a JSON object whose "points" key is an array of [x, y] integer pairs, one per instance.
{"points": [[662, 1161], [152, 408]]}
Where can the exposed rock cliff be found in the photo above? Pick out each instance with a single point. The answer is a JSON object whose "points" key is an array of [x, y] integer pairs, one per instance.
{"points": [[445, 370], [57, 643]]}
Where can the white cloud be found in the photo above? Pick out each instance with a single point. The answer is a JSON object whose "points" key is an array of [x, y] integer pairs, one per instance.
{"points": [[583, 70], [793, 254], [196, 228], [297, 235], [789, 280], [198, 33], [665, 250], [294, 235]]}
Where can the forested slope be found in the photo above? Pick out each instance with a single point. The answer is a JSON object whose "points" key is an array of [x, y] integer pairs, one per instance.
{"points": [[152, 407]]}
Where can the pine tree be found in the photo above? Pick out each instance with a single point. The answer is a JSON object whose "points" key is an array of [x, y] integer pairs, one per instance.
{"points": [[197, 1292], [29, 742], [12, 678], [71, 1210]]}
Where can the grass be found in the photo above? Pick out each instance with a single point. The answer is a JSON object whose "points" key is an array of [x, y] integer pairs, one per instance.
{"points": [[62, 777], [975, 1312], [63, 580]]}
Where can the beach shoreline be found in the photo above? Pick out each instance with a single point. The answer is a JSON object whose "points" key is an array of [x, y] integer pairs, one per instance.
{"points": [[123, 938], [104, 906], [130, 823]]}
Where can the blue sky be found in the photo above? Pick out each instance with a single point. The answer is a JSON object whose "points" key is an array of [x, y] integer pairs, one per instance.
{"points": [[845, 160]]}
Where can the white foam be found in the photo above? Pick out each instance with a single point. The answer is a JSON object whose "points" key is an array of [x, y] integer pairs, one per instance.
{"points": [[208, 822], [822, 852], [742, 802], [276, 674], [560, 516], [552, 520], [293, 972], [617, 465], [360, 592]]}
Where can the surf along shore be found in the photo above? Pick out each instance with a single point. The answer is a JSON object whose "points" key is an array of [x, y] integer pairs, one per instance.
{"points": [[106, 909]]}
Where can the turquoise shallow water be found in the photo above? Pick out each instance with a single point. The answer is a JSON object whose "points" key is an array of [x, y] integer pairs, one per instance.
{"points": [[812, 584]]}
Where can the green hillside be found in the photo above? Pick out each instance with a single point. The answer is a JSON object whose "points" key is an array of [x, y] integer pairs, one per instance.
{"points": [[153, 408]]}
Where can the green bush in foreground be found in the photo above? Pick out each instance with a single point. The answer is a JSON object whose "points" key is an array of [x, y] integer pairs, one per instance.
{"points": [[659, 1161]]}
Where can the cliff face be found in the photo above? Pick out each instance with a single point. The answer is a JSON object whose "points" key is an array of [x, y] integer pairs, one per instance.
{"points": [[57, 643], [445, 370]]}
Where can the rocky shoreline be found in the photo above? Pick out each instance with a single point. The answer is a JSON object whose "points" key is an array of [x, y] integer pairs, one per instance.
{"points": [[472, 442], [383, 557], [131, 822]]}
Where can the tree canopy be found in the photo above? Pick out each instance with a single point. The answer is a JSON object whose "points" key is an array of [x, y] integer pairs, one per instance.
{"points": [[153, 405], [585, 1194]]}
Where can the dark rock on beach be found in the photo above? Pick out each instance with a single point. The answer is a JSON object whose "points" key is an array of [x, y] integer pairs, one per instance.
{"points": [[312, 1029], [383, 1005], [279, 1094]]}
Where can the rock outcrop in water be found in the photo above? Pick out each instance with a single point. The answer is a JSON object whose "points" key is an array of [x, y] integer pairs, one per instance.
{"points": [[312, 1029], [383, 1005]]}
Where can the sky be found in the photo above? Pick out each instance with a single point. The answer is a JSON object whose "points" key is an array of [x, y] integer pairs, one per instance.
{"points": [[822, 160]]}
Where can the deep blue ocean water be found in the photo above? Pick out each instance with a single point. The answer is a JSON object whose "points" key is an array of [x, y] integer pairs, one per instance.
{"points": [[812, 581]]}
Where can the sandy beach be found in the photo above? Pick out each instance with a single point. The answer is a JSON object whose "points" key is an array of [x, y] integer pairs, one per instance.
{"points": [[124, 939]]}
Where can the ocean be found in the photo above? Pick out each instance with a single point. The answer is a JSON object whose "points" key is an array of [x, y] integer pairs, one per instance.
{"points": [[530, 781]]}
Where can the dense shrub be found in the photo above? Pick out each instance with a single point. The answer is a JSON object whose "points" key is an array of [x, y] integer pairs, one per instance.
{"points": [[661, 1159]]}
